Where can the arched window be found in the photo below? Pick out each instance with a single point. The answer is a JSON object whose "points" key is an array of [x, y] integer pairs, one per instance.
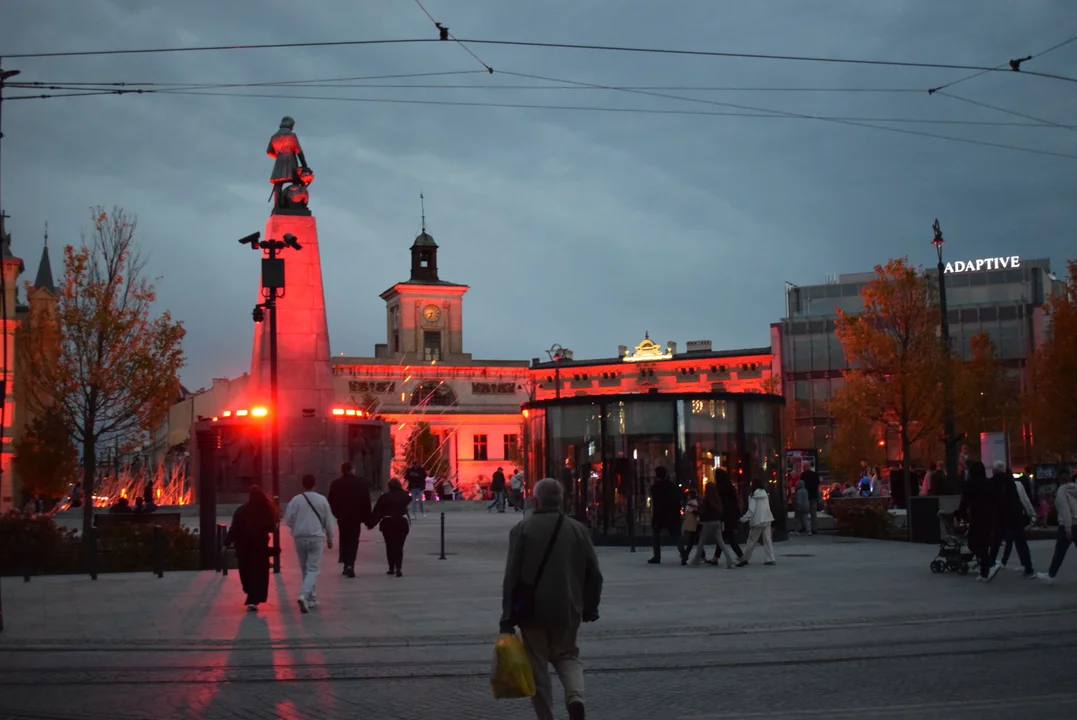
{"points": [[433, 393]]}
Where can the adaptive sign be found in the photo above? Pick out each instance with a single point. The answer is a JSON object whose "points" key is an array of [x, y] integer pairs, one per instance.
{"points": [[999, 263]]}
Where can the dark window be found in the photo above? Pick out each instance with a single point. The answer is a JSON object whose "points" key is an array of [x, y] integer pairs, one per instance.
{"points": [[977, 278], [849, 290], [1007, 312], [833, 291], [433, 393], [396, 341], [988, 314], [479, 446], [961, 280], [512, 447], [952, 316], [968, 316], [1015, 276], [431, 345], [996, 277]]}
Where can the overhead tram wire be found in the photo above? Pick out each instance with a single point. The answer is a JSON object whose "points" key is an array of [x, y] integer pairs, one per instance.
{"points": [[1009, 64], [444, 32], [549, 45]]}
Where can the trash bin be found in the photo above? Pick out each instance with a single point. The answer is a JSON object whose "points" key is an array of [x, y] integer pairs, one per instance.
{"points": [[923, 519]]}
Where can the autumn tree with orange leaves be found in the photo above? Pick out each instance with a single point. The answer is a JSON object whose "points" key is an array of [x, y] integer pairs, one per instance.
{"points": [[1051, 402], [103, 362], [985, 399], [896, 358]]}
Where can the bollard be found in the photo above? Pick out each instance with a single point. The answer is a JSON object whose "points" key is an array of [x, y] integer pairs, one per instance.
{"points": [[158, 551], [442, 557], [223, 531], [90, 545]]}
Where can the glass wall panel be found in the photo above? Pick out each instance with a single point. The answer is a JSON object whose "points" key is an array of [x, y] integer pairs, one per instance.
{"points": [[710, 439], [575, 454], [641, 437], [762, 439], [535, 446]]}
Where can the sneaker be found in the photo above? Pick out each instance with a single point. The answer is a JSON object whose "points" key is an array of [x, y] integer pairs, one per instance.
{"points": [[1028, 575], [742, 563], [303, 607], [654, 561], [770, 562], [399, 574], [995, 569], [1046, 578], [251, 607], [576, 711], [981, 578], [391, 571]]}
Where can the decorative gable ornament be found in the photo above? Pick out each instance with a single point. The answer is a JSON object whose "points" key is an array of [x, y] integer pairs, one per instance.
{"points": [[648, 351]]}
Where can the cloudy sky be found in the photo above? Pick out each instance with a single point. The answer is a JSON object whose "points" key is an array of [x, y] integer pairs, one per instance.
{"points": [[581, 227]]}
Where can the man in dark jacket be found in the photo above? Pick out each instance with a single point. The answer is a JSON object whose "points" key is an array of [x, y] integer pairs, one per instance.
{"points": [[349, 499], [1013, 513], [416, 479], [978, 509], [665, 513], [497, 487], [810, 478]]}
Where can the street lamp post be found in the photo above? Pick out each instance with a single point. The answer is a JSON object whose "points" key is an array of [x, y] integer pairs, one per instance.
{"points": [[272, 288], [950, 439], [557, 354]]}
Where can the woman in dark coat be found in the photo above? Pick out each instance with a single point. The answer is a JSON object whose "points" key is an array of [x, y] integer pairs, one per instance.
{"points": [[730, 511], [978, 509], [391, 511], [252, 523]]}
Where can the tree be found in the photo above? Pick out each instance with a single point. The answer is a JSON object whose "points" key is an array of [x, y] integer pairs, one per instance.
{"points": [[1053, 395], [45, 457], [856, 432], [115, 372], [426, 448], [984, 397], [896, 356]]}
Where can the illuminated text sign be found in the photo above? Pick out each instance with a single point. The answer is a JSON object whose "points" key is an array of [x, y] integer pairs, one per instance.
{"points": [[999, 263]]}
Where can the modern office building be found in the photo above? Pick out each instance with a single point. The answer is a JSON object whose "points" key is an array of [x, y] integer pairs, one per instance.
{"points": [[1002, 297], [604, 426]]}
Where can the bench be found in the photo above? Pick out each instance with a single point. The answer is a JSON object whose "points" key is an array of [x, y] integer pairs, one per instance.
{"points": [[106, 520]]}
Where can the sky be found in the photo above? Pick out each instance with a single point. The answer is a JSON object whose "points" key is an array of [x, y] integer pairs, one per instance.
{"points": [[584, 228]]}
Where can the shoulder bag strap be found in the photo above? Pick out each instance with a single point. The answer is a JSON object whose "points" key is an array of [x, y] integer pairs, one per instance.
{"points": [[316, 513], [549, 549]]}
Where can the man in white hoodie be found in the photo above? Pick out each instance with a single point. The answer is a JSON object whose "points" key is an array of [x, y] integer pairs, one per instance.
{"points": [[760, 517], [1066, 507]]}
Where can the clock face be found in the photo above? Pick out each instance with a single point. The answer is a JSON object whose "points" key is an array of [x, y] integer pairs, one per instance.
{"points": [[432, 313]]}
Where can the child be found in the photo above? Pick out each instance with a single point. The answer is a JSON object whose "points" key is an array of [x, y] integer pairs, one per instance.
{"points": [[760, 517], [690, 524], [802, 508]]}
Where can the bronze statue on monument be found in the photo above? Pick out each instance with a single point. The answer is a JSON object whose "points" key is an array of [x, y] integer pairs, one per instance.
{"points": [[290, 167]]}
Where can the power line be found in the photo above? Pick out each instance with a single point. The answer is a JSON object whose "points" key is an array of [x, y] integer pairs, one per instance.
{"points": [[1006, 111], [762, 113], [550, 45]]}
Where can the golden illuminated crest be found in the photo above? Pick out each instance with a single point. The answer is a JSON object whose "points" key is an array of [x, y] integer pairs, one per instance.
{"points": [[648, 350]]}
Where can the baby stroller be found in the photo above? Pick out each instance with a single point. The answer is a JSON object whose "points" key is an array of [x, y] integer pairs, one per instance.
{"points": [[953, 554]]}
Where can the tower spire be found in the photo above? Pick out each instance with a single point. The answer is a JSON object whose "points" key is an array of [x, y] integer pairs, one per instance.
{"points": [[46, 233], [422, 206]]}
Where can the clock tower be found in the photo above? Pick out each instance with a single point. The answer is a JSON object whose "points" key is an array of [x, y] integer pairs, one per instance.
{"points": [[424, 315]]}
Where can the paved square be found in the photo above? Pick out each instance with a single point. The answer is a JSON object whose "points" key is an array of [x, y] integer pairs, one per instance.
{"points": [[839, 628]]}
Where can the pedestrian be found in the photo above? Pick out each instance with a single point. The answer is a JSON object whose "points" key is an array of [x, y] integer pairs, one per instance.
{"points": [[552, 583], [665, 514], [391, 512], [1013, 513], [710, 519], [1007, 549], [1066, 509], [810, 478], [310, 519], [428, 489], [516, 487], [252, 522], [497, 487], [690, 526], [760, 517], [76, 494], [977, 508], [801, 509], [349, 499], [730, 515], [415, 476]]}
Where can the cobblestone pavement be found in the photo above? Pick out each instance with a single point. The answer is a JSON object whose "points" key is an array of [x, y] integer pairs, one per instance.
{"points": [[838, 629]]}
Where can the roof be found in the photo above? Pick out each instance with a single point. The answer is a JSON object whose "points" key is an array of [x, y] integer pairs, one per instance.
{"points": [[683, 356], [428, 283], [5, 244], [44, 273], [424, 239]]}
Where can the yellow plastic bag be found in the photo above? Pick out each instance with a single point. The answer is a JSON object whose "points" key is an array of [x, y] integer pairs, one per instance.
{"points": [[511, 675]]}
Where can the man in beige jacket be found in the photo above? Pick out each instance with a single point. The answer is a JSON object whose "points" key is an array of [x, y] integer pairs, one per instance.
{"points": [[566, 590]]}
